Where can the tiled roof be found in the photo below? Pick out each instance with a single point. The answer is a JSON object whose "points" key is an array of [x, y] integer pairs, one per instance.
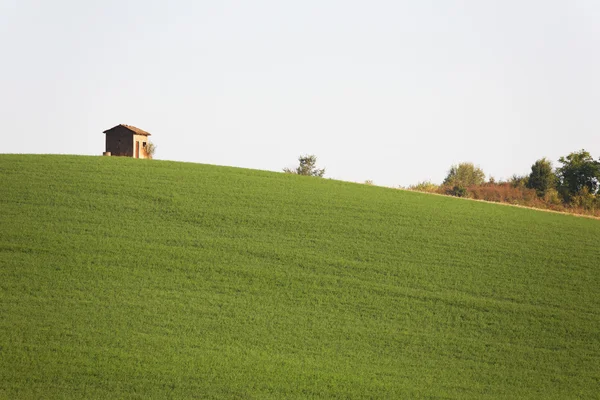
{"points": [[133, 129]]}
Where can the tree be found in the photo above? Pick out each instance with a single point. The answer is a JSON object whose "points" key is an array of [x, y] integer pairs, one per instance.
{"points": [[579, 170], [542, 177], [307, 167], [519, 181], [464, 174]]}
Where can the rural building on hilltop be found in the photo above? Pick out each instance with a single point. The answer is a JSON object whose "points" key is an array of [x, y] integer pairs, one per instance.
{"points": [[126, 141]]}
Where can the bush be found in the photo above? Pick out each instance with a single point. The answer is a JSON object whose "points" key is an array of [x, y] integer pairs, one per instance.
{"points": [[458, 191], [519, 180], [552, 197], [464, 174], [584, 199], [150, 149], [425, 186], [505, 193], [307, 167]]}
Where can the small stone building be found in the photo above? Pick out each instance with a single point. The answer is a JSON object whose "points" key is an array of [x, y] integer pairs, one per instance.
{"points": [[126, 141]]}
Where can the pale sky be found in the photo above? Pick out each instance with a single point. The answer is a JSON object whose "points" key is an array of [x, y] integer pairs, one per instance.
{"points": [[391, 91]]}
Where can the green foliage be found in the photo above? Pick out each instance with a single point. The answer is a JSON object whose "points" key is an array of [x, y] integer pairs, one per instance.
{"points": [[307, 166], [519, 181], [459, 191], [464, 174], [425, 186], [585, 199], [578, 171], [542, 177], [552, 197], [252, 284]]}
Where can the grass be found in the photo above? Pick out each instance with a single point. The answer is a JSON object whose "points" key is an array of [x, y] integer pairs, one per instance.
{"points": [[152, 279]]}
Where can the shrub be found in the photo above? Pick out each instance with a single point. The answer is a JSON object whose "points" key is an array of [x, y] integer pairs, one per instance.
{"points": [[150, 149], [584, 199], [464, 174], [458, 191], [504, 192], [552, 197], [519, 180], [425, 186], [307, 167]]}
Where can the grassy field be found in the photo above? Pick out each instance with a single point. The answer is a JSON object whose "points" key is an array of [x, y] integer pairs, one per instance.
{"points": [[152, 279]]}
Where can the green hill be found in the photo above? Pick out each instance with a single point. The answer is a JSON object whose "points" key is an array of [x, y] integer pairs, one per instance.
{"points": [[152, 279]]}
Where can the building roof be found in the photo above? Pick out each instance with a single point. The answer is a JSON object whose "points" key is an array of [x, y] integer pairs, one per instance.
{"points": [[133, 129]]}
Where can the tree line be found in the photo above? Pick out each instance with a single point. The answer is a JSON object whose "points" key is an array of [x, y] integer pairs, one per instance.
{"points": [[572, 186]]}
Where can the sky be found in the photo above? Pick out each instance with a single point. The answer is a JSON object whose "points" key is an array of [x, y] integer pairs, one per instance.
{"points": [[389, 91]]}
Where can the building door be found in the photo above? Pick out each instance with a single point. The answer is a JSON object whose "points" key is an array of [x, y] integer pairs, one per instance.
{"points": [[137, 149]]}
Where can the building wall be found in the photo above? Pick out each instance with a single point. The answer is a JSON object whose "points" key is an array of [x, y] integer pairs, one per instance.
{"points": [[142, 140], [120, 142]]}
